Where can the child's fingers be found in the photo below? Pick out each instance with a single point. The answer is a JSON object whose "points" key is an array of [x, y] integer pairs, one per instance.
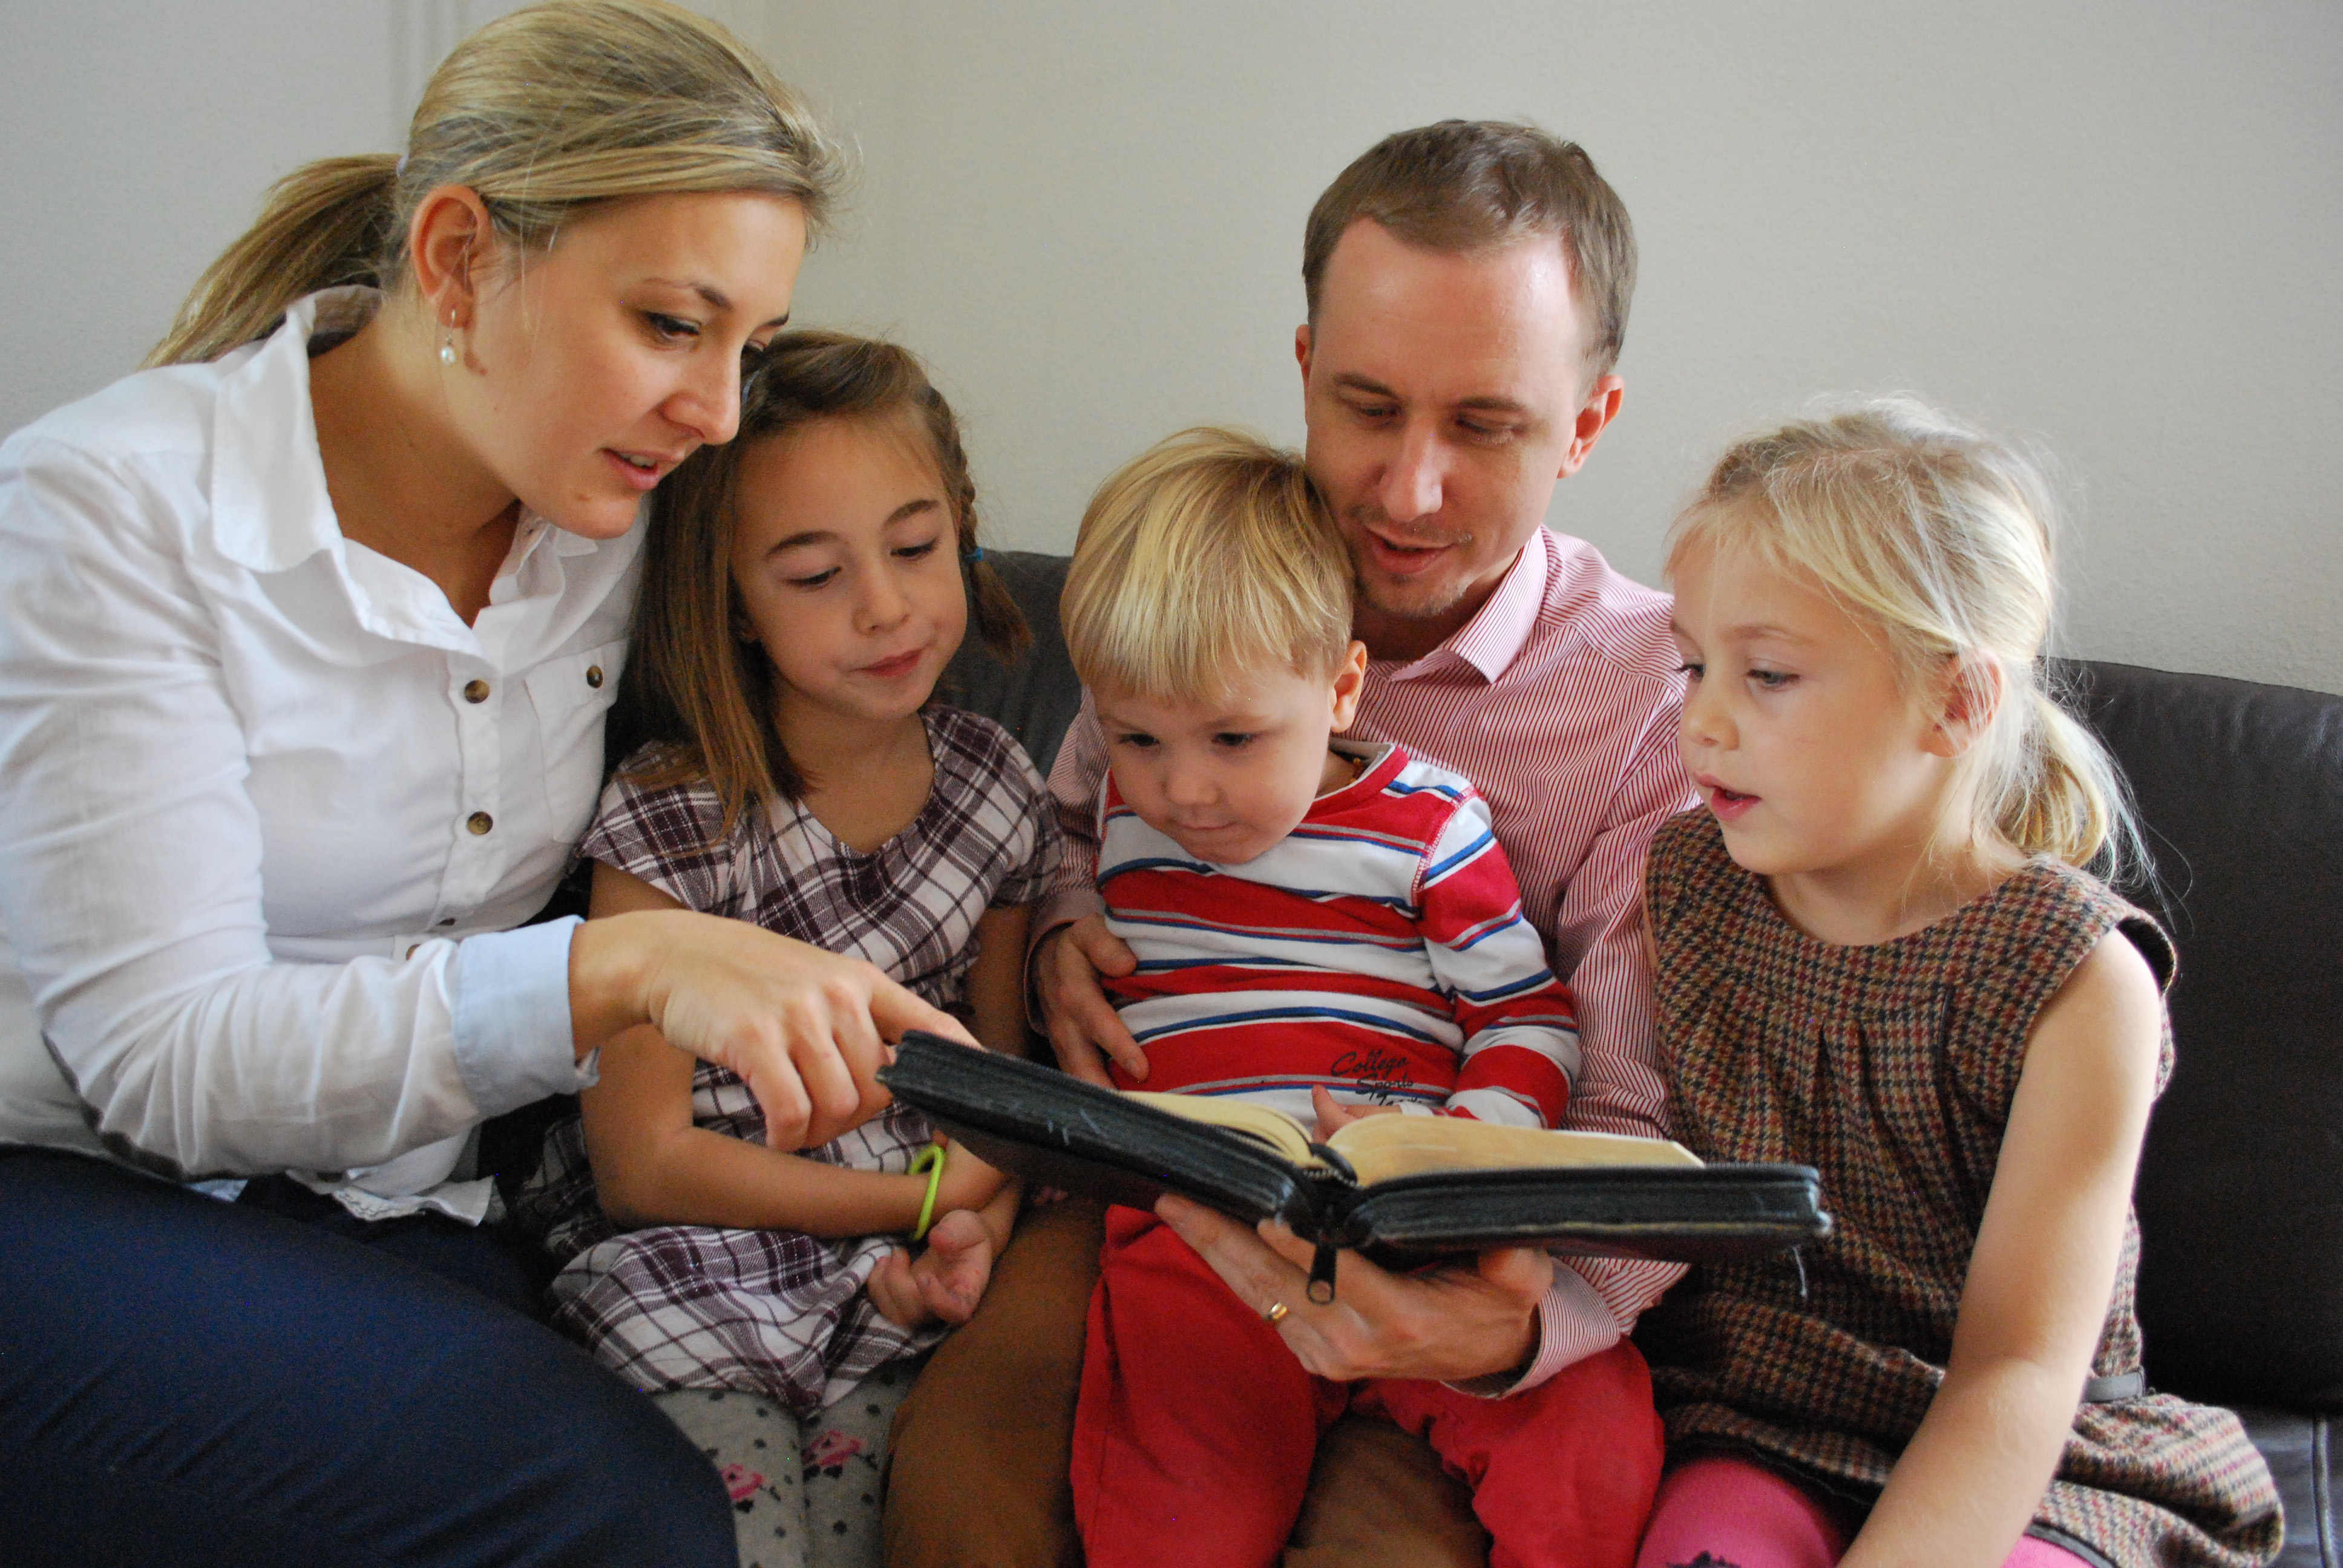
{"points": [[952, 1273], [894, 1289], [1333, 1114], [944, 1303]]}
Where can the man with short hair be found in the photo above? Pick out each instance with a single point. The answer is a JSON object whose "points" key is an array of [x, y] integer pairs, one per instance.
{"points": [[1468, 285]]}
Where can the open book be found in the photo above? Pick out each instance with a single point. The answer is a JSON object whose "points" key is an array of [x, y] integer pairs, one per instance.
{"points": [[1402, 1188]]}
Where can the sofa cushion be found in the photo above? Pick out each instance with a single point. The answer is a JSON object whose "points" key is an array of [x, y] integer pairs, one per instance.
{"points": [[2298, 1449], [1036, 697], [2240, 788]]}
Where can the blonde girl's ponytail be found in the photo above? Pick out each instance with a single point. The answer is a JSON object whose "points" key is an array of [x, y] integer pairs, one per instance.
{"points": [[542, 112], [2075, 806], [1941, 538]]}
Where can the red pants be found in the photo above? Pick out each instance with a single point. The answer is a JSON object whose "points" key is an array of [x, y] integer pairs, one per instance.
{"points": [[1196, 1430]]}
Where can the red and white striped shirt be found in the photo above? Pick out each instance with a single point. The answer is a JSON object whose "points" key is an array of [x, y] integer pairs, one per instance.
{"points": [[1559, 700], [1378, 951]]}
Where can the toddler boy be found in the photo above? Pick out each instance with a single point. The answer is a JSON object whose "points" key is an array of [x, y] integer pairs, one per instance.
{"points": [[1323, 925]]}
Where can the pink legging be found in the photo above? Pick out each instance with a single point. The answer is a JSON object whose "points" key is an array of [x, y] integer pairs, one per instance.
{"points": [[1722, 1513]]}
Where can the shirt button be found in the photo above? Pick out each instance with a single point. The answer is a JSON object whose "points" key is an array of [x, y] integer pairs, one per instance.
{"points": [[476, 691], [479, 823], [594, 676]]}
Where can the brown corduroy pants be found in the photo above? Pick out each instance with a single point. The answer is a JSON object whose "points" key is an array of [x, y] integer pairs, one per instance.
{"points": [[977, 1464]]}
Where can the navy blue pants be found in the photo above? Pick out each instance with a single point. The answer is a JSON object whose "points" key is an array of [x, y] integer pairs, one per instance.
{"points": [[190, 1382]]}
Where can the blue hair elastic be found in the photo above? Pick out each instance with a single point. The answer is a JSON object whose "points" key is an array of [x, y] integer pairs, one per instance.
{"points": [[972, 556]]}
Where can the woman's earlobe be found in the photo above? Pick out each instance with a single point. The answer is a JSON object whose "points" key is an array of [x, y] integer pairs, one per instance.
{"points": [[447, 243]]}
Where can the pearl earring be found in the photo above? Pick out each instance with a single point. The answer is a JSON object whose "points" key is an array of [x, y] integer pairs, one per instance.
{"points": [[448, 349]]}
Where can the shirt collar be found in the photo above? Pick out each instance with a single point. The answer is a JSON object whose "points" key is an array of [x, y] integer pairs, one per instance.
{"points": [[1500, 629], [270, 510]]}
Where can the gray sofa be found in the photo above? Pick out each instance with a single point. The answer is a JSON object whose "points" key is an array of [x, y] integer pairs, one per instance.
{"points": [[2241, 1188]]}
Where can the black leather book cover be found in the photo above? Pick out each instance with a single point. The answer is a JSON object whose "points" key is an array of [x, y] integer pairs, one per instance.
{"points": [[1056, 1130]]}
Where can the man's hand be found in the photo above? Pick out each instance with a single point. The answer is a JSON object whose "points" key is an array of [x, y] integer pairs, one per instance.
{"points": [[1082, 1024], [1450, 1325]]}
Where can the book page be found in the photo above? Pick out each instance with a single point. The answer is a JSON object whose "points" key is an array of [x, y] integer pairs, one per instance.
{"points": [[1379, 1147], [1284, 1135]]}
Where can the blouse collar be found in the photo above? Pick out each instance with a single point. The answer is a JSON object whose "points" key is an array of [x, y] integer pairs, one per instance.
{"points": [[271, 511], [270, 508]]}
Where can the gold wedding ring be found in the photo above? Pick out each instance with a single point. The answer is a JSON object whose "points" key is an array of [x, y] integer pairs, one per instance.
{"points": [[1277, 1311]]}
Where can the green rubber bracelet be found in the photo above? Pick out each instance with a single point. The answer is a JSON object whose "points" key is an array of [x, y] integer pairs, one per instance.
{"points": [[931, 1160]]}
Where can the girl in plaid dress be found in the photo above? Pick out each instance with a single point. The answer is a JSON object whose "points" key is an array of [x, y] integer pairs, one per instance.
{"points": [[1875, 954], [805, 587]]}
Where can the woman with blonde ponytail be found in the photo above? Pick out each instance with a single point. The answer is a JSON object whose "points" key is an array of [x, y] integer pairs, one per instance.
{"points": [[307, 635], [1877, 953]]}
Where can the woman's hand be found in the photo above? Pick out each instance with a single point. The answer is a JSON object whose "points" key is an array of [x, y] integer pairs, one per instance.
{"points": [[805, 1030]]}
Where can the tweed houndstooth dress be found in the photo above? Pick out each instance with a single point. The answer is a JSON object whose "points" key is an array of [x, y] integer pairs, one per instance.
{"points": [[1891, 1068]]}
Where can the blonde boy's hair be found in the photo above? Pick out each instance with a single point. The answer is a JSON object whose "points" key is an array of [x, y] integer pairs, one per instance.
{"points": [[1206, 557], [1940, 537]]}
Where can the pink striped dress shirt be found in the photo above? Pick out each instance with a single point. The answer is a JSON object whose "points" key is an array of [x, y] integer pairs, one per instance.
{"points": [[1559, 700]]}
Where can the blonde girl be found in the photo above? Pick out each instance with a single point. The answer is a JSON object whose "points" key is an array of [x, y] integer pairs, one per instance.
{"points": [[306, 640], [804, 591], [1876, 954]]}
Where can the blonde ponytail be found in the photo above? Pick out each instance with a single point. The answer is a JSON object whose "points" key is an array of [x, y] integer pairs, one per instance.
{"points": [[1941, 538], [326, 223], [2073, 802], [542, 112]]}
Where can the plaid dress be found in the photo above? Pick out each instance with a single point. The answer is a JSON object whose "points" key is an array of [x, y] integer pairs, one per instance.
{"points": [[1891, 1068], [778, 1312]]}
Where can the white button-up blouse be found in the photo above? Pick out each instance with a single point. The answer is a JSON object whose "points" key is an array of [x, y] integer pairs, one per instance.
{"points": [[267, 806]]}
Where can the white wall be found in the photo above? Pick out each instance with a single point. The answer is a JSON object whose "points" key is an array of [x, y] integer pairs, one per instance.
{"points": [[2113, 229]]}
